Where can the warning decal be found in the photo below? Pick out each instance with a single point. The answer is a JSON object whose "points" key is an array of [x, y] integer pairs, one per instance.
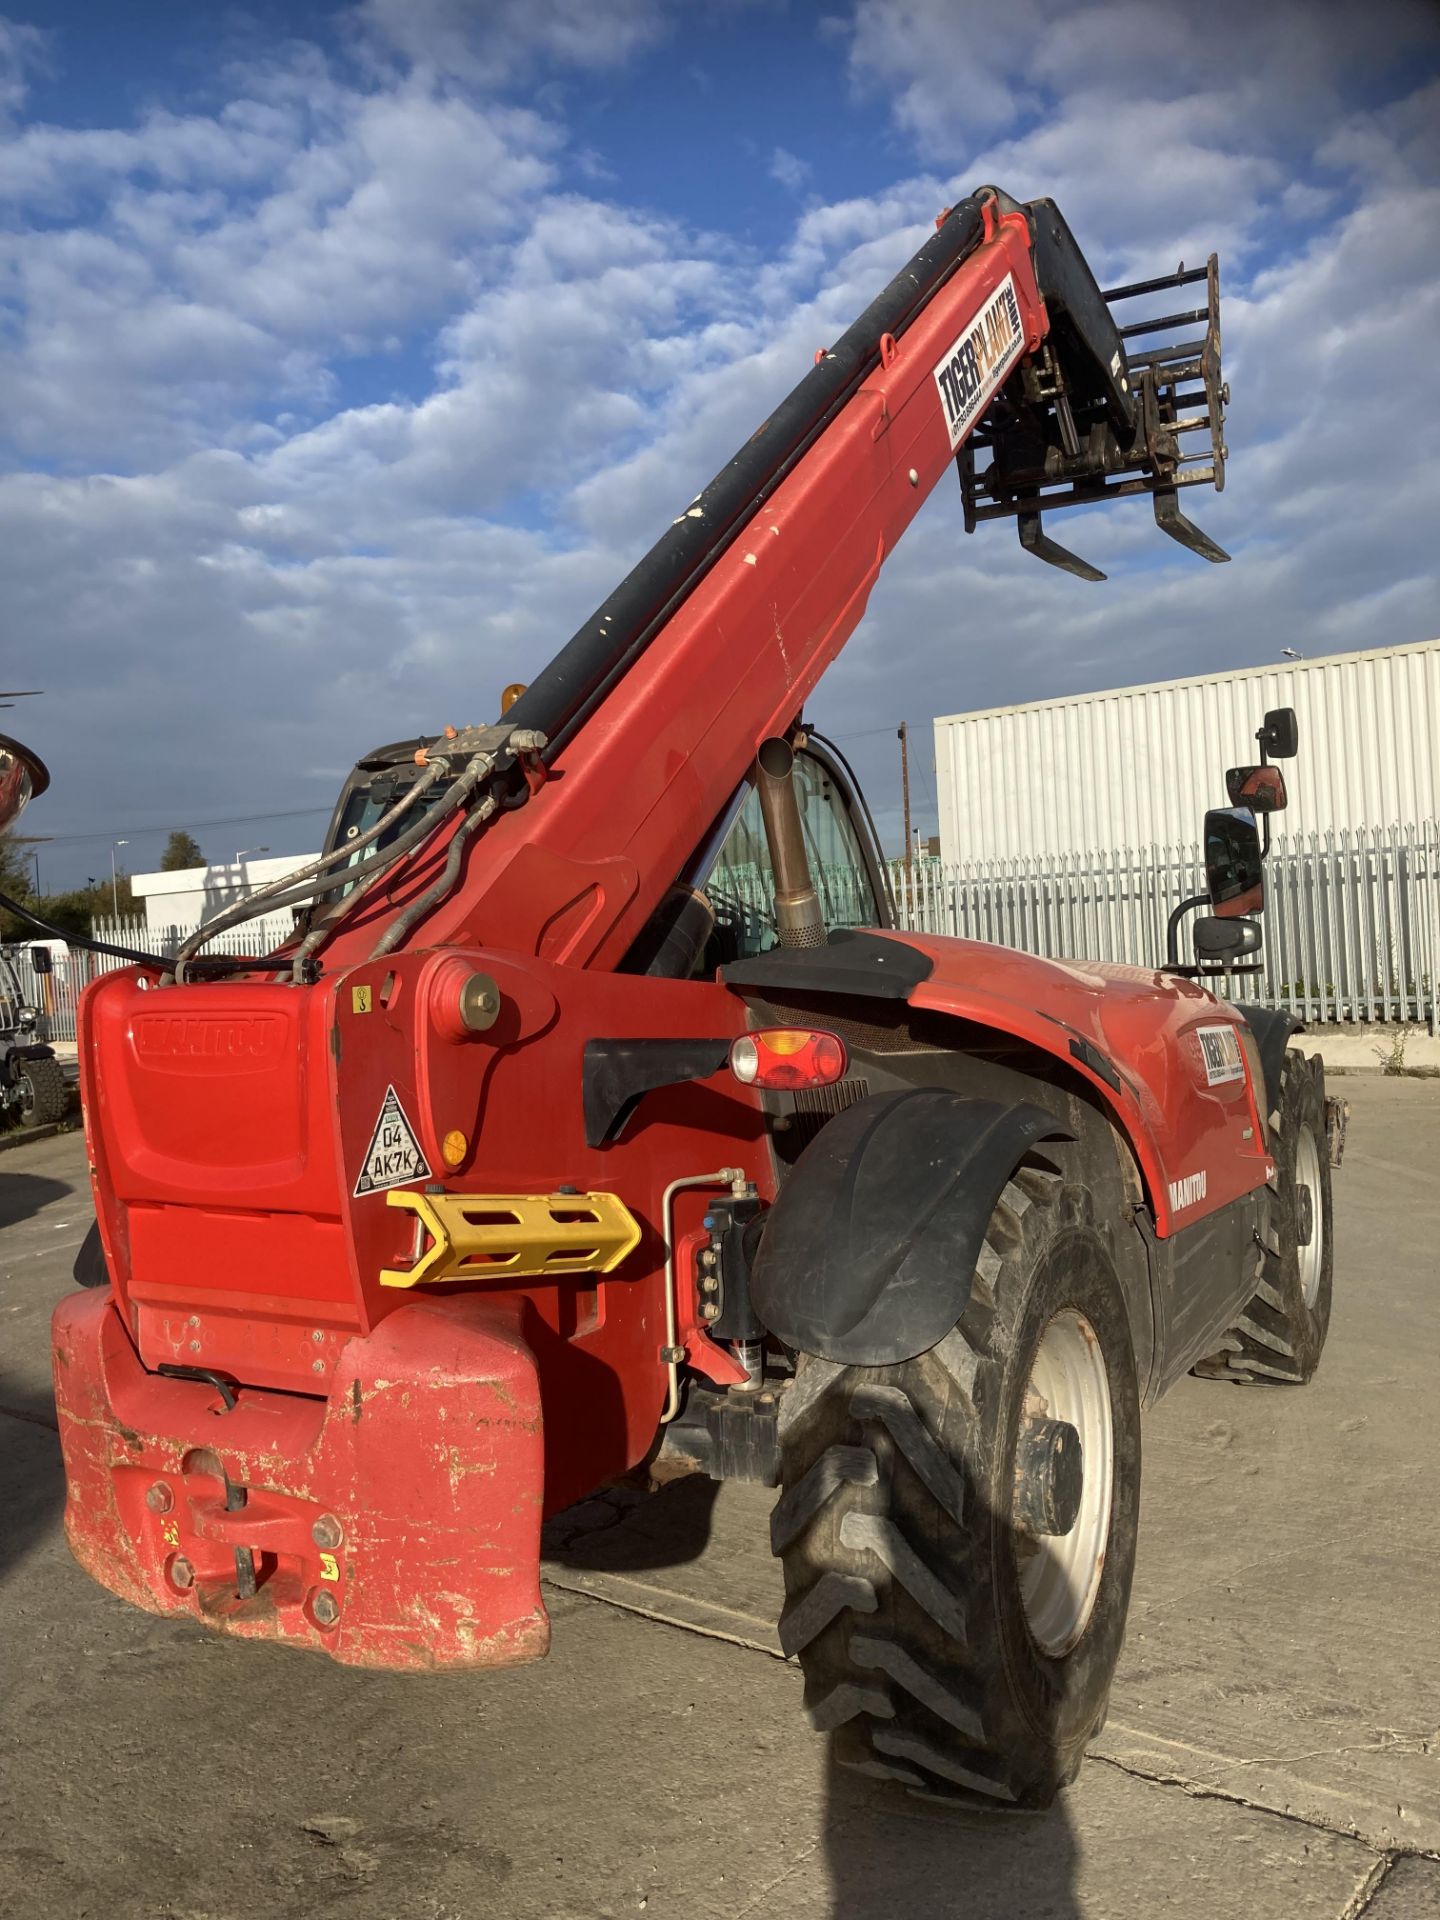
{"points": [[1220, 1054], [393, 1156], [979, 360]]}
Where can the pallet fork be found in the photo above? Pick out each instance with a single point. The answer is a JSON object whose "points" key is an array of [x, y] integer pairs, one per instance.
{"points": [[1092, 417]]}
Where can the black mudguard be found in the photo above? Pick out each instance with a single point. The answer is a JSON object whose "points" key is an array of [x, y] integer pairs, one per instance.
{"points": [[90, 1269], [1272, 1028], [868, 1253]]}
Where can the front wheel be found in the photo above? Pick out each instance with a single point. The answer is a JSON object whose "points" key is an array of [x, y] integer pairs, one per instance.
{"points": [[42, 1093], [958, 1530], [1281, 1333]]}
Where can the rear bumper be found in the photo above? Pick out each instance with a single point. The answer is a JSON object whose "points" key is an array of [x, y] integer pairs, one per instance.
{"points": [[394, 1524]]}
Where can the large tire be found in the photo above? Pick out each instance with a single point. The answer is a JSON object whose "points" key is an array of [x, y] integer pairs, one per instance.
{"points": [[42, 1092], [1281, 1334], [898, 1529]]}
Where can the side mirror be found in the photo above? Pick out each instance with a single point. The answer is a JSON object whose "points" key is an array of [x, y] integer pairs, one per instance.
{"points": [[1234, 866], [1280, 736], [1223, 942], [41, 961], [23, 777], [1261, 789]]}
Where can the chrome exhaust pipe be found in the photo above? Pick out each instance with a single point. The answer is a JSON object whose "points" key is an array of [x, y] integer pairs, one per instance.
{"points": [[798, 919]]}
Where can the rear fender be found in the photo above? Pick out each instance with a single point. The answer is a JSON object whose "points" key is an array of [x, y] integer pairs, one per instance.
{"points": [[869, 1249]]}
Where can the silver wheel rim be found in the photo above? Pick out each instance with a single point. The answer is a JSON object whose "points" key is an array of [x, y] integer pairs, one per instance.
{"points": [[1307, 1175], [1060, 1573]]}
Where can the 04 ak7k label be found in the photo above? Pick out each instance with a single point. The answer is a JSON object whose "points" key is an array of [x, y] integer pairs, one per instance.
{"points": [[394, 1157]]}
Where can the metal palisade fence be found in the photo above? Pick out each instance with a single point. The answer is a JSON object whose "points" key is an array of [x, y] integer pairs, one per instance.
{"points": [[1352, 920], [57, 993]]}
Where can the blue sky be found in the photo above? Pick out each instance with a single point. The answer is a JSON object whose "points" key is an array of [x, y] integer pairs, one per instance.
{"points": [[349, 354]]}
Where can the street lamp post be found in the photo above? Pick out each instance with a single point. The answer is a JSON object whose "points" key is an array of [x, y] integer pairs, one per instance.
{"points": [[115, 879], [240, 860]]}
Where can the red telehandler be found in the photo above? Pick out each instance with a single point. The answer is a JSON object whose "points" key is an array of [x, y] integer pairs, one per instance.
{"points": [[598, 1115]]}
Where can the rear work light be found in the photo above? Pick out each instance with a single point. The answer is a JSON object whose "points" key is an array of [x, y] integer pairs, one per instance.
{"points": [[788, 1057]]}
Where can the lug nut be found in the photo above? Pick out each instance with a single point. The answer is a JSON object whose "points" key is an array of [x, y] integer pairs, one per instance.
{"points": [[710, 1310], [324, 1608], [327, 1532], [182, 1574], [159, 1498]]}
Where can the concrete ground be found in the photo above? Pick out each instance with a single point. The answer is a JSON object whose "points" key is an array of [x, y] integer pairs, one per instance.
{"points": [[1272, 1737]]}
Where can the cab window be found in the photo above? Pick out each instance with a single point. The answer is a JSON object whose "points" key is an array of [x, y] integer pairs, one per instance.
{"points": [[741, 885]]}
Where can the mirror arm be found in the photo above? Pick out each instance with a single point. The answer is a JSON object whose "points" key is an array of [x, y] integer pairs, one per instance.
{"points": [[1172, 930]]}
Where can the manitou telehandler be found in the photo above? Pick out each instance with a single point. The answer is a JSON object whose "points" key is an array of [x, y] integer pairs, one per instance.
{"points": [[598, 1115]]}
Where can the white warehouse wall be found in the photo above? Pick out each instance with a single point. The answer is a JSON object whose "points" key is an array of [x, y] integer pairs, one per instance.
{"points": [[1137, 766], [185, 898]]}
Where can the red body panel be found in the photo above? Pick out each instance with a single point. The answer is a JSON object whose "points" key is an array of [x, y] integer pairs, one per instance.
{"points": [[427, 1455], [1146, 1024]]}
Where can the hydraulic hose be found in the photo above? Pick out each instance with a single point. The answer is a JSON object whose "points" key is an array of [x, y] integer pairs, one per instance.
{"points": [[374, 871], [296, 889], [132, 954]]}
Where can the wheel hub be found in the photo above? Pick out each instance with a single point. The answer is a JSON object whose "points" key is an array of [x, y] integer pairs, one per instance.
{"points": [[1064, 1482], [1049, 1476], [1309, 1223], [1304, 1216]]}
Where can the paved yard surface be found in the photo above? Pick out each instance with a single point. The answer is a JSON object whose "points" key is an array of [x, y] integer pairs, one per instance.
{"points": [[1271, 1748]]}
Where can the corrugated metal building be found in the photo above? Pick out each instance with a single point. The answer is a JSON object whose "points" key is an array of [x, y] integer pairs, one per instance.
{"points": [[1138, 766]]}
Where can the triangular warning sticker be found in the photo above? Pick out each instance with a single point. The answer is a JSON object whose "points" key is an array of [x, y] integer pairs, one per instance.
{"points": [[393, 1157]]}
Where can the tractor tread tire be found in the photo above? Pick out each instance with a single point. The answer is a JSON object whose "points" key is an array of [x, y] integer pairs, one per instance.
{"points": [[887, 1545], [1277, 1339], [47, 1093]]}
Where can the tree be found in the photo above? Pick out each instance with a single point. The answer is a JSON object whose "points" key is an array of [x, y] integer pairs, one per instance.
{"points": [[14, 880], [182, 850]]}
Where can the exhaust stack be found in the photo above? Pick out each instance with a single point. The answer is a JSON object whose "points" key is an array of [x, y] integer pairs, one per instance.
{"points": [[798, 919]]}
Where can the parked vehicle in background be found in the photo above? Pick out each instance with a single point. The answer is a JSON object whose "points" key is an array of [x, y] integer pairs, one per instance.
{"points": [[32, 1082]]}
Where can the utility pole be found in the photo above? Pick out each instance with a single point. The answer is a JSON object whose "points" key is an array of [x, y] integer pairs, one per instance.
{"points": [[903, 736], [114, 881]]}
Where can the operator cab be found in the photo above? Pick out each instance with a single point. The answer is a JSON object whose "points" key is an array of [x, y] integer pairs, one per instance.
{"points": [[723, 907], [848, 875], [377, 782]]}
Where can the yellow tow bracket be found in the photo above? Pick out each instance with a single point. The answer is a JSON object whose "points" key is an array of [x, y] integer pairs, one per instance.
{"points": [[513, 1236]]}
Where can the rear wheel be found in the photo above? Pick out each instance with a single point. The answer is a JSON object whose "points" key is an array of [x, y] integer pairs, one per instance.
{"points": [[1280, 1335], [958, 1530], [42, 1093]]}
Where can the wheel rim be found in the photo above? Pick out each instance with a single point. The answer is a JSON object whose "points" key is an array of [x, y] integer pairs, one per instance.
{"points": [[1060, 1573], [1307, 1177]]}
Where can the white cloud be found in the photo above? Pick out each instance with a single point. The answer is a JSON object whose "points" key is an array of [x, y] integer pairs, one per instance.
{"points": [[23, 50], [505, 40], [235, 579], [789, 169], [237, 259]]}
